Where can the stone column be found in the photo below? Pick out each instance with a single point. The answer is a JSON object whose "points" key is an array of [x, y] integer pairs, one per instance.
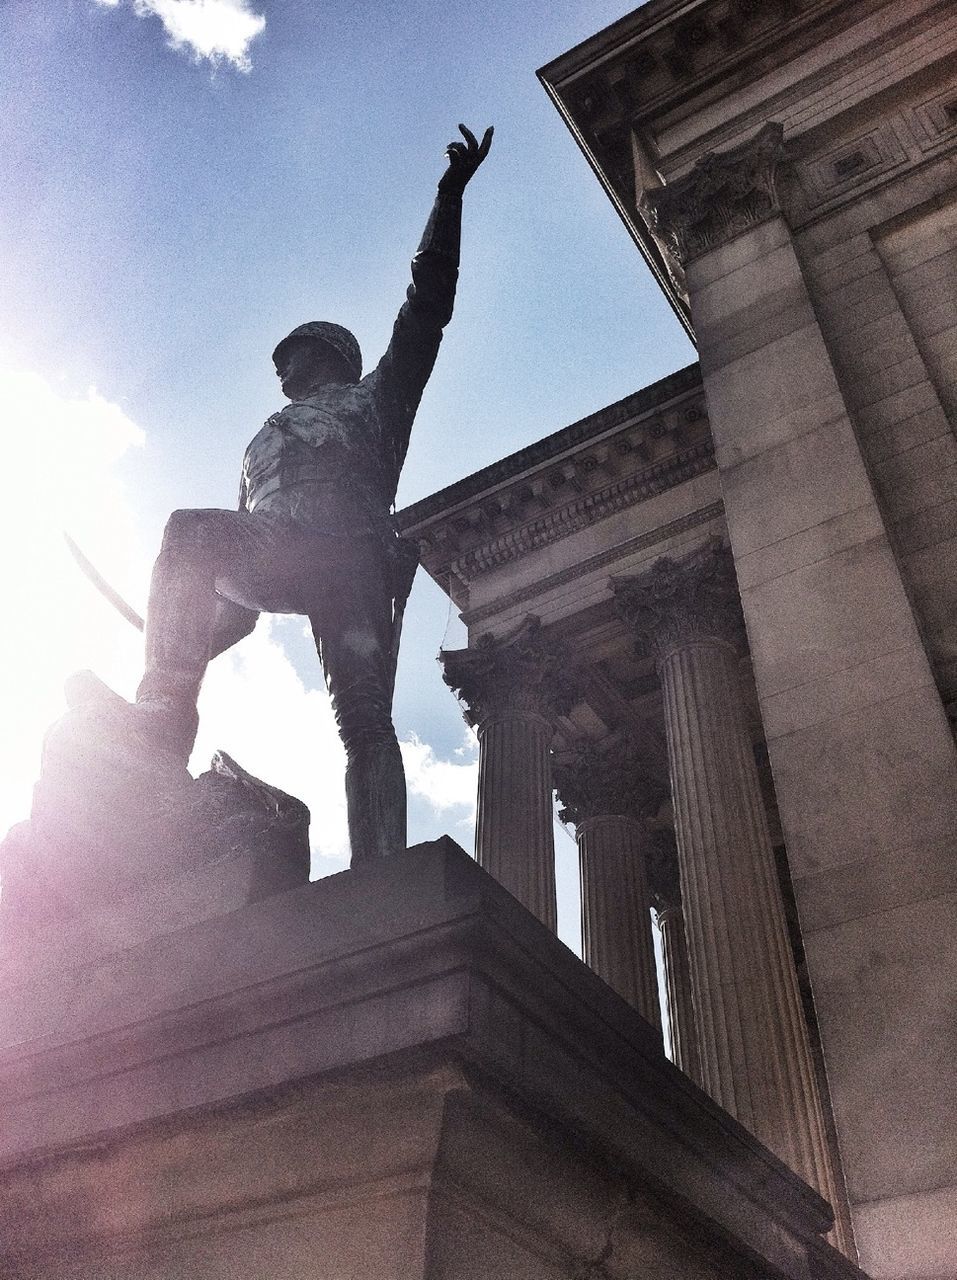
{"points": [[752, 1037], [513, 688], [863, 756], [604, 795], [666, 895], [679, 1003]]}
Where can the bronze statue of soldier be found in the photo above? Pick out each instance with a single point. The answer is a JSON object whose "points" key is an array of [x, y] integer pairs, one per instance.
{"points": [[313, 534]]}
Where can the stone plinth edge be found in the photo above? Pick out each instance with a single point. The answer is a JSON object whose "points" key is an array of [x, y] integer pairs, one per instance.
{"points": [[406, 970]]}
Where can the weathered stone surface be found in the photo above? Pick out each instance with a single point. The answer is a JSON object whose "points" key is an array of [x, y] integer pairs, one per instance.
{"points": [[753, 1051], [393, 1073], [677, 602], [521, 672], [855, 723], [724, 194]]}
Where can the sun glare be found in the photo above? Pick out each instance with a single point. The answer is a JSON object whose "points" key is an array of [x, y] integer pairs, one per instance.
{"points": [[61, 451]]}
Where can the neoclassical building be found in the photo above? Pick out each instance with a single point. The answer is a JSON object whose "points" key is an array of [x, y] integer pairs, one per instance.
{"points": [[718, 616], [717, 619]]}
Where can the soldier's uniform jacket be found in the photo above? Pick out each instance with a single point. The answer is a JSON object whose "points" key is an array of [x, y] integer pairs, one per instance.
{"points": [[333, 461]]}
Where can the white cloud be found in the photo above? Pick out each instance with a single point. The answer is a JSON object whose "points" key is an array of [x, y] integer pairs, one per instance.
{"points": [[216, 30], [254, 706], [445, 784]]}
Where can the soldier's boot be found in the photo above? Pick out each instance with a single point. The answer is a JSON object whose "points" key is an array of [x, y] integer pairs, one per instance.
{"points": [[164, 718], [165, 711], [375, 797]]}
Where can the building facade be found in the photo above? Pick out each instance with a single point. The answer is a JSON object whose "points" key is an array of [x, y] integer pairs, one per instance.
{"points": [[719, 615]]}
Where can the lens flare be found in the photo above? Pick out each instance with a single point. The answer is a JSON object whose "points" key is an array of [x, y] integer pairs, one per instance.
{"points": [[60, 455]]}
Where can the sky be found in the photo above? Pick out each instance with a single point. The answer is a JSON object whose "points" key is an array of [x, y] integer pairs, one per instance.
{"points": [[183, 182]]}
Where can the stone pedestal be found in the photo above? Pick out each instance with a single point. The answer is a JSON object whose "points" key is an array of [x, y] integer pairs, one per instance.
{"points": [[753, 1049], [394, 1073], [513, 689]]}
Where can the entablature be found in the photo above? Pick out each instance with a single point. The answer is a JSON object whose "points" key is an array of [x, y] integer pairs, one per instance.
{"points": [[614, 459]]}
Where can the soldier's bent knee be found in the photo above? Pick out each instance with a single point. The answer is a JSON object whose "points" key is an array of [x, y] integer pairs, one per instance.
{"points": [[180, 529], [191, 530]]}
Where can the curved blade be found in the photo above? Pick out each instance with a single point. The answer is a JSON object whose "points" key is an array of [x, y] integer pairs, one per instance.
{"points": [[101, 584]]}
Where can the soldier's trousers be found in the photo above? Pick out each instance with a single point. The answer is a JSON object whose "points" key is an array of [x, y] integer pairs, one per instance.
{"points": [[217, 570]]}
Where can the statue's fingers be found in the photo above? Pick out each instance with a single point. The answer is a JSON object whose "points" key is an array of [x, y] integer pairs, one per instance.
{"points": [[486, 143], [469, 137]]}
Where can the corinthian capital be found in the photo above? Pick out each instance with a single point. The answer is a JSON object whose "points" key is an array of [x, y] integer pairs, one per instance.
{"points": [[677, 601], [523, 672], [724, 194], [605, 779]]}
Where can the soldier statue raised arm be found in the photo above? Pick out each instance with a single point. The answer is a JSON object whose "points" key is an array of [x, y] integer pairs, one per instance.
{"points": [[314, 534]]}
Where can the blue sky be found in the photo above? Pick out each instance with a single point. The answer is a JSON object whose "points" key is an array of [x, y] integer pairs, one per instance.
{"points": [[170, 210]]}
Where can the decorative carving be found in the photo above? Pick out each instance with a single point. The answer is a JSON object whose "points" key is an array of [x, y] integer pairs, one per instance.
{"points": [[604, 779], [681, 600], [661, 533], [523, 672], [724, 194], [594, 468], [584, 511]]}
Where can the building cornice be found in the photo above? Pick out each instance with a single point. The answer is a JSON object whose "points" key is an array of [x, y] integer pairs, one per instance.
{"points": [[624, 455], [593, 564], [663, 53], [683, 465], [549, 448], [614, 90]]}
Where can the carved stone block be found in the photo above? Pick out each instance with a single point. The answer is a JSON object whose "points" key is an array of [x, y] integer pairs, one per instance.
{"points": [[119, 830]]}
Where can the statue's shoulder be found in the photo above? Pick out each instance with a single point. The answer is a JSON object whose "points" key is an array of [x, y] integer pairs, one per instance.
{"points": [[269, 429]]}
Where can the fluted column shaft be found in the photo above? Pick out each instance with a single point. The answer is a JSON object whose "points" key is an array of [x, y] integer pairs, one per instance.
{"points": [[514, 688], [681, 1023], [616, 912], [752, 1038], [514, 839]]}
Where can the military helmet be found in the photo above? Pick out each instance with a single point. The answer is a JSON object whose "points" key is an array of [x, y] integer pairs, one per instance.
{"points": [[333, 335]]}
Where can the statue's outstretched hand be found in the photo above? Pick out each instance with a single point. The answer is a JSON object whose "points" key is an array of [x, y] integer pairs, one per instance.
{"points": [[464, 158]]}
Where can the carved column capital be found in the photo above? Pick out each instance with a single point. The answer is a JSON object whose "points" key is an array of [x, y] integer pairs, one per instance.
{"points": [[605, 779], [724, 194], [679, 601], [524, 673]]}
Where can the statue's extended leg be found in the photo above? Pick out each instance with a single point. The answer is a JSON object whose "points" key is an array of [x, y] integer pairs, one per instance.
{"points": [[355, 650], [181, 619]]}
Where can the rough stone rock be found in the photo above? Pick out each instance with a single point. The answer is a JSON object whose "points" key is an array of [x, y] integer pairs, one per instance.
{"points": [[113, 815]]}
